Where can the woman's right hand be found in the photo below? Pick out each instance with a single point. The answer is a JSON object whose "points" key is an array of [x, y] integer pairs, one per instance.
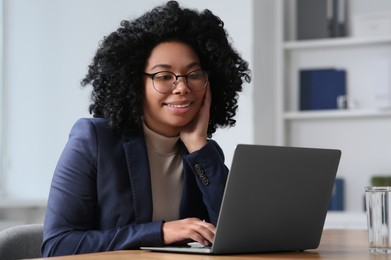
{"points": [[189, 229]]}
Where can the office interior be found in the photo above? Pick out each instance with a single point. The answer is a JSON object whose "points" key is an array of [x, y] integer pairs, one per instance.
{"points": [[46, 47]]}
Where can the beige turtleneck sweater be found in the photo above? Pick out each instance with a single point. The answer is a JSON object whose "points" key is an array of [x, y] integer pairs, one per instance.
{"points": [[166, 167]]}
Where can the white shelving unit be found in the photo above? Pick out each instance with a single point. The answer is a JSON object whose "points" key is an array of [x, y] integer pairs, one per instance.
{"points": [[335, 42], [356, 113], [362, 132]]}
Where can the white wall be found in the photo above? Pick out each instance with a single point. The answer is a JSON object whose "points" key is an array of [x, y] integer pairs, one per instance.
{"points": [[48, 45], [2, 185]]}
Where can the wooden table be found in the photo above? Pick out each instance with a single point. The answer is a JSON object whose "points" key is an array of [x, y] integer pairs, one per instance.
{"points": [[335, 244]]}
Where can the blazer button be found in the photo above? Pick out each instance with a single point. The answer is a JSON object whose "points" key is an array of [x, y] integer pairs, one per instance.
{"points": [[199, 169], [201, 174], [204, 178]]}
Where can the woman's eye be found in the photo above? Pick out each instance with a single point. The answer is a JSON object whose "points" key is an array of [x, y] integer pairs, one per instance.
{"points": [[164, 77], [195, 76]]}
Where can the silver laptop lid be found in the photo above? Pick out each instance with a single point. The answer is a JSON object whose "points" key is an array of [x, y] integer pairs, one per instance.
{"points": [[276, 199]]}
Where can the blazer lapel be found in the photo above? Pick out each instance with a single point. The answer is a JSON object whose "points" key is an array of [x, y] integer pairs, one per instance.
{"points": [[139, 174]]}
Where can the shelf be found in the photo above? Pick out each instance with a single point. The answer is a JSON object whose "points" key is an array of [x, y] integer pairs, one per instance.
{"points": [[345, 220], [336, 114], [361, 128], [335, 42]]}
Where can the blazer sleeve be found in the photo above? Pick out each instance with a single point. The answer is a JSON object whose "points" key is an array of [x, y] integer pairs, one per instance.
{"points": [[72, 216], [207, 165]]}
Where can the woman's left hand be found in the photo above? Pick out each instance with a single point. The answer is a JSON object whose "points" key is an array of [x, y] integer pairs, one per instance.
{"points": [[194, 134]]}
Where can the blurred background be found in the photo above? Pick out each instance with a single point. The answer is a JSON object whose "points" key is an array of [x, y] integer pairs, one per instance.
{"points": [[293, 48]]}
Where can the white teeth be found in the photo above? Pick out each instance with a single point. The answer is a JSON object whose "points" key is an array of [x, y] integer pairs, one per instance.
{"points": [[178, 106]]}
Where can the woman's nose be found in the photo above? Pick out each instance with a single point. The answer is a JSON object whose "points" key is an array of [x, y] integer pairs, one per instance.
{"points": [[180, 86]]}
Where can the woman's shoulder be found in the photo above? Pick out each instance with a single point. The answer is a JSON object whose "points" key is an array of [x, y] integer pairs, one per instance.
{"points": [[100, 127], [96, 121], [94, 125]]}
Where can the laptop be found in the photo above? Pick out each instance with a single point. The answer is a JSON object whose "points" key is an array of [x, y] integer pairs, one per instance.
{"points": [[276, 199]]}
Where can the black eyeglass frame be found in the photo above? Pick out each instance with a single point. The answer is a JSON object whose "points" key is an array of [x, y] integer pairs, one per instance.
{"points": [[175, 83]]}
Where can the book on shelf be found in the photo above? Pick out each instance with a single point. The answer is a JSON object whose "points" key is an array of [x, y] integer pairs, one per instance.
{"points": [[317, 19], [339, 18], [337, 197], [321, 88]]}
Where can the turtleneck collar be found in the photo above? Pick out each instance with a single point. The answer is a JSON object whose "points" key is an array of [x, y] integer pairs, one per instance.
{"points": [[159, 144]]}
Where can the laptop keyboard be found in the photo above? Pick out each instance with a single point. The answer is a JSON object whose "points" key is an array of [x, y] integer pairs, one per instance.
{"points": [[197, 245]]}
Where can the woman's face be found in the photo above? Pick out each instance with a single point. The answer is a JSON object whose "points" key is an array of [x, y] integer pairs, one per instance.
{"points": [[167, 113]]}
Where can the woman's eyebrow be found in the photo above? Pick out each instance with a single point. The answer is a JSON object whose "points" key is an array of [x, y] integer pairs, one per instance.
{"points": [[167, 66], [162, 66], [193, 64]]}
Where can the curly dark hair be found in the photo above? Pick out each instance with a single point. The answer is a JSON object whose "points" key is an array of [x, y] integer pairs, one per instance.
{"points": [[118, 65]]}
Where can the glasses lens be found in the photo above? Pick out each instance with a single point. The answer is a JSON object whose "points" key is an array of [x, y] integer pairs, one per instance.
{"points": [[164, 81], [197, 80]]}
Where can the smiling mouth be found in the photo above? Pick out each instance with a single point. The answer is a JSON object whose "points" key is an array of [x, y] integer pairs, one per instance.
{"points": [[179, 106]]}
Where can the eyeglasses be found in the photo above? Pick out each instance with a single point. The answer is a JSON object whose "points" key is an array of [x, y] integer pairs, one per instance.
{"points": [[166, 81]]}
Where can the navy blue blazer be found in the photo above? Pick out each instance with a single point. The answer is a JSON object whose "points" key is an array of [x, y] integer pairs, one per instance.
{"points": [[100, 197]]}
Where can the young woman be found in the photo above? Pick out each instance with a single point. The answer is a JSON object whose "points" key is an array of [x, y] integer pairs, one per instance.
{"points": [[143, 171]]}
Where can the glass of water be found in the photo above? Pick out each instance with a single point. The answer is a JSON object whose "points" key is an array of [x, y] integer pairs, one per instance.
{"points": [[378, 206]]}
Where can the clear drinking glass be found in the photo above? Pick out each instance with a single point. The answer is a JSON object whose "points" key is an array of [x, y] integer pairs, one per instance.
{"points": [[378, 206]]}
